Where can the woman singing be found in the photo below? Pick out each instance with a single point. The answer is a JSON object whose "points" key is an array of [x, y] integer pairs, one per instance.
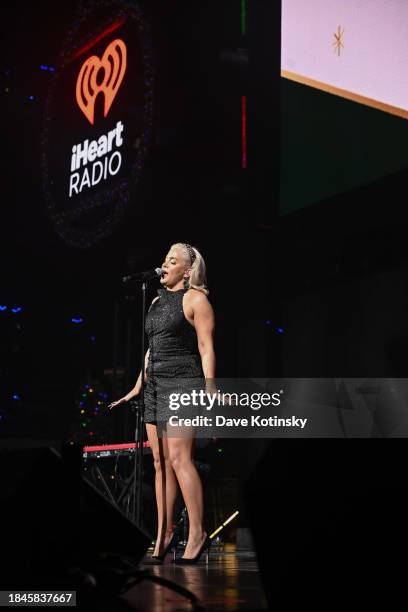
{"points": [[180, 329]]}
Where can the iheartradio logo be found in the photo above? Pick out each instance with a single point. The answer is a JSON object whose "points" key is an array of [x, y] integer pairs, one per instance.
{"points": [[113, 65], [96, 160], [98, 120]]}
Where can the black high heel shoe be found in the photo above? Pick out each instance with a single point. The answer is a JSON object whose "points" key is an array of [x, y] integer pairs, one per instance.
{"points": [[205, 547], [171, 545]]}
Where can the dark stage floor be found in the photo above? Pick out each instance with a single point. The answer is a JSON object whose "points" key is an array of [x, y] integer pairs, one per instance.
{"points": [[230, 582]]}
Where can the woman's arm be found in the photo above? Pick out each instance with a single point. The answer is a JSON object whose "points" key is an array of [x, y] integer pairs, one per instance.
{"points": [[138, 386], [136, 389], [204, 323]]}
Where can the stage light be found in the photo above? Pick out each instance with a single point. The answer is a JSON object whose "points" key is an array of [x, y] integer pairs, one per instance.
{"points": [[280, 330], [31, 98], [224, 523], [216, 531], [3, 307], [268, 322], [243, 17], [243, 132], [112, 28], [77, 320], [231, 517], [16, 397], [18, 309]]}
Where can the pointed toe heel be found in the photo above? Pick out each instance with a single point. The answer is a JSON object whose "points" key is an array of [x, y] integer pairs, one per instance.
{"points": [[172, 545], [205, 547]]}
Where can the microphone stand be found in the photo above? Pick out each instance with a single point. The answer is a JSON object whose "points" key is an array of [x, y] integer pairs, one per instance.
{"points": [[139, 424], [139, 427]]}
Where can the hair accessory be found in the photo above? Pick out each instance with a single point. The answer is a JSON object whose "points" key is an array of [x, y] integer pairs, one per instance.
{"points": [[191, 252]]}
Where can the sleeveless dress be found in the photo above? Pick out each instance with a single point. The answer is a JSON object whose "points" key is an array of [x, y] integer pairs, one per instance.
{"points": [[174, 364]]}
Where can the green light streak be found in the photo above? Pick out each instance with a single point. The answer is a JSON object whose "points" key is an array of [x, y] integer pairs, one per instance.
{"points": [[243, 17]]}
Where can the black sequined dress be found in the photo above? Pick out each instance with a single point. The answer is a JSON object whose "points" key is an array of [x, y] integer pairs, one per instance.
{"points": [[174, 364]]}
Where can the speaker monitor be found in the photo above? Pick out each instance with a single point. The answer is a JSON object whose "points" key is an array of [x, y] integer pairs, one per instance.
{"points": [[329, 521], [55, 519]]}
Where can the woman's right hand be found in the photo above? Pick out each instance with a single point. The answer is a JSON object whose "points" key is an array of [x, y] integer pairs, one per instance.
{"points": [[122, 400]]}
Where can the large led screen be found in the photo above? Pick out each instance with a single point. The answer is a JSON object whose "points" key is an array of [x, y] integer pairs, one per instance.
{"points": [[344, 96]]}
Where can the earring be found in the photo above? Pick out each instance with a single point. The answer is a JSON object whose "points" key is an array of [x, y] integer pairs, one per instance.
{"points": [[186, 283]]}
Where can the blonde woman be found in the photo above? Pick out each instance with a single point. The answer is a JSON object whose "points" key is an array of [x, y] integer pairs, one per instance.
{"points": [[180, 328]]}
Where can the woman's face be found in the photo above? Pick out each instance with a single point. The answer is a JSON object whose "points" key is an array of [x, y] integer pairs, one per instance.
{"points": [[174, 267]]}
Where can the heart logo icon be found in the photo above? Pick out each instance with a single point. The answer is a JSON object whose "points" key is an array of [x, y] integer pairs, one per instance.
{"points": [[113, 65]]}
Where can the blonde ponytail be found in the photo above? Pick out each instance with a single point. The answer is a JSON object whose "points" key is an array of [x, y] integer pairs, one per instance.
{"points": [[198, 277]]}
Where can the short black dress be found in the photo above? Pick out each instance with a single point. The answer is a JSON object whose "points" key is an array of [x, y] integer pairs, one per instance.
{"points": [[174, 364]]}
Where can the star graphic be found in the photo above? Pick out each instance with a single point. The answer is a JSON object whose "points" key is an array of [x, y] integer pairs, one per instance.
{"points": [[338, 42]]}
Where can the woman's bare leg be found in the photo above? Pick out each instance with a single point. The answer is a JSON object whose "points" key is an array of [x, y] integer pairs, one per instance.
{"points": [[165, 487], [180, 453]]}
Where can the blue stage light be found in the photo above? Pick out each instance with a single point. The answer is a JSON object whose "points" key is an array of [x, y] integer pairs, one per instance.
{"points": [[3, 307], [77, 320], [17, 309], [16, 397], [280, 330]]}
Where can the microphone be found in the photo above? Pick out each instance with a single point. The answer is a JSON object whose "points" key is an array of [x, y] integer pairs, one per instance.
{"points": [[143, 276]]}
